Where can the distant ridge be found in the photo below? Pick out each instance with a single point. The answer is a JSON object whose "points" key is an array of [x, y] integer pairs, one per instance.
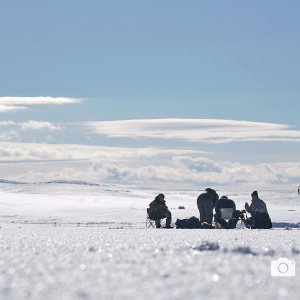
{"points": [[78, 182], [11, 182]]}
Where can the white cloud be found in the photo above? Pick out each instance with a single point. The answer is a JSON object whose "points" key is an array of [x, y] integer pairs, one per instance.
{"points": [[38, 100], [8, 104], [32, 125], [196, 130], [31, 152], [9, 135], [7, 123], [200, 164], [6, 108], [38, 125]]}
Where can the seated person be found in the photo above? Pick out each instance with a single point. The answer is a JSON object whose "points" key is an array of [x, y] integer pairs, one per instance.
{"points": [[224, 202], [257, 205], [158, 210], [259, 214]]}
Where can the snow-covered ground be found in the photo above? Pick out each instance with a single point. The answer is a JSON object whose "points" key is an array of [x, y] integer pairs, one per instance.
{"points": [[75, 241], [119, 206]]}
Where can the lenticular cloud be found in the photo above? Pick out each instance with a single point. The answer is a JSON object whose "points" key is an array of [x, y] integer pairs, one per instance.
{"points": [[196, 130], [8, 104], [10, 108]]}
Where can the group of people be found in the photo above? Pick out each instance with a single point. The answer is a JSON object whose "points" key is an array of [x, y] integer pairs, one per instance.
{"points": [[207, 202]]}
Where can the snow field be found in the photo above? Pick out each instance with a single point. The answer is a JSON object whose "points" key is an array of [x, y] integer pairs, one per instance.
{"points": [[75, 241], [100, 263], [107, 209]]}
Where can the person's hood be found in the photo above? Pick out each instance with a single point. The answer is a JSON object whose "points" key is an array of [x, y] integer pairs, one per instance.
{"points": [[224, 197], [209, 190]]}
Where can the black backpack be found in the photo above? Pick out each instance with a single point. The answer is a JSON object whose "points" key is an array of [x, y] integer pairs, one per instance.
{"points": [[262, 221], [191, 223]]}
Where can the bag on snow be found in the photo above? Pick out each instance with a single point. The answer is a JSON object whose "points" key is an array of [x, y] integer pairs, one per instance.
{"points": [[191, 223]]}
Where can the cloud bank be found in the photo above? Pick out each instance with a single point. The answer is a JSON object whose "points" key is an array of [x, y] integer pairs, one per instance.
{"points": [[196, 130], [224, 173], [8, 104], [143, 166]]}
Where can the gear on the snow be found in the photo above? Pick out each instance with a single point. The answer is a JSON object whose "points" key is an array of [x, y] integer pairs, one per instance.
{"points": [[192, 223]]}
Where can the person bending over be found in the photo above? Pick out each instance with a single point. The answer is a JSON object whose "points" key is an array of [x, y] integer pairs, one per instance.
{"points": [[206, 203], [159, 210], [225, 202]]}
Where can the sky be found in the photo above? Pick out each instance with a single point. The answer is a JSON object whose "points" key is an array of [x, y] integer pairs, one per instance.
{"points": [[160, 93]]}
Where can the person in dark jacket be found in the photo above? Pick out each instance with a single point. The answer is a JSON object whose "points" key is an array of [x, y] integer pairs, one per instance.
{"points": [[206, 203], [159, 210], [225, 202]]}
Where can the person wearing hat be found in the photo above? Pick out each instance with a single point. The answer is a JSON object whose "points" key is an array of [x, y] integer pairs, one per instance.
{"points": [[159, 210], [257, 205], [260, 218]]}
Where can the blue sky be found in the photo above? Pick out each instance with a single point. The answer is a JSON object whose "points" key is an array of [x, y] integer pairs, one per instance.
{"points": [[145, 60]]}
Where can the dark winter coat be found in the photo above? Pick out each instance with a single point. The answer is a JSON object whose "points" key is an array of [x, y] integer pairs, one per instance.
{"points": [[210, 195], [224, 203], [158, 209]]}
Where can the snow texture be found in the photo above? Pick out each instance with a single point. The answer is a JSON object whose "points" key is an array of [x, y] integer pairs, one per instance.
{"points": [[64, 241], [100, 263]]}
